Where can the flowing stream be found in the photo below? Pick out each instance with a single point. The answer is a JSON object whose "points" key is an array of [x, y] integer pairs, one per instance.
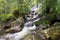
{"points": [[28, 26]]}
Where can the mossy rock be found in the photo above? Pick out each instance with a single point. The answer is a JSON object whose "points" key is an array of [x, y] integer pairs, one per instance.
{"points": [[52, 33], [55, 33], [32, 37]]}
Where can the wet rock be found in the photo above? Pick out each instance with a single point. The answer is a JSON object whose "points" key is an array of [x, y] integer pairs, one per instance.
{"points": [[13, 29], [56, 24], [16, 25], [43, 26]]}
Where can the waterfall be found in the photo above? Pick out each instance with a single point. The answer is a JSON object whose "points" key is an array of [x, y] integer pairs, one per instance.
{"points": [[28, 26]]}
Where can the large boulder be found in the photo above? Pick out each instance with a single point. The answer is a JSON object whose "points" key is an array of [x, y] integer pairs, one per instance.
{"points": [[52, 33], [16, 25]]}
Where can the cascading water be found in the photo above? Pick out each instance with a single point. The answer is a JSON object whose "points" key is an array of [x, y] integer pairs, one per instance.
{"points": [[28, 26]]}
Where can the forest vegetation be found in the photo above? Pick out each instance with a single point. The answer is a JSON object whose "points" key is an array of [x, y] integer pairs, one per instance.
{"points": [[12, 13]]}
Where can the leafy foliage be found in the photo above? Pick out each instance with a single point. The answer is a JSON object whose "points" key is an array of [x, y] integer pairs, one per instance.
{"points": [[8, 7]]}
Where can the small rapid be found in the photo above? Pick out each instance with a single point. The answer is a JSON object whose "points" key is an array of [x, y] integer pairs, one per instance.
{"points": [[28, 26]]}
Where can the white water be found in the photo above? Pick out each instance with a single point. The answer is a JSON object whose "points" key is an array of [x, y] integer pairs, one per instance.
{"points": [[28, 26]]}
